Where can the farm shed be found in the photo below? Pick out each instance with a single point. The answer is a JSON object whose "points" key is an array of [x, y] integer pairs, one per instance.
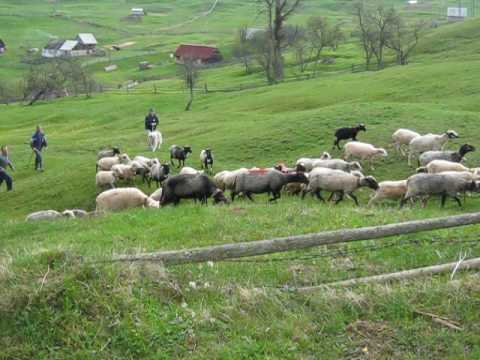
{"points": [[52, 49], [3, 46], [84, 44], [199, 53], [138, 12]]}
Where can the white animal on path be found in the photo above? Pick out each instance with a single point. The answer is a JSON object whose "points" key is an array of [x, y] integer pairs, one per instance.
{"points": [[155, 140]]}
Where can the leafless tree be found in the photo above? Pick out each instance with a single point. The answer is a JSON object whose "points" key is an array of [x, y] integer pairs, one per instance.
{"points": [[277, 13], [243, 49], [404, 39], [190, 71]]}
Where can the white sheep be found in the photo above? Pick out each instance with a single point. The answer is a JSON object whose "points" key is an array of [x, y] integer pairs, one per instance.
{"points": [[363, 151], [338, 164], [44, 215], [394, 190], [155, 140], [106, 163], [186, 170], [121, 199], [429, 142], [145, 161], [338, 181], [230, 177], [307, 163], [402, 137], [105, 178], [439, 166]]}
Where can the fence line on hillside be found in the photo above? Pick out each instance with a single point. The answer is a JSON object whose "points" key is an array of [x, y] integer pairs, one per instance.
{"points": [[301, 242]]}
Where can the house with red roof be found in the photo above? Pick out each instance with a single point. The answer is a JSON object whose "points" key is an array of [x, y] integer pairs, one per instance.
{"points": [[201, 54]]}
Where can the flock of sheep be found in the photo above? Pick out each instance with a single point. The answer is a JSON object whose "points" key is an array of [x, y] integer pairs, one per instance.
{"points": [[440, 173]]}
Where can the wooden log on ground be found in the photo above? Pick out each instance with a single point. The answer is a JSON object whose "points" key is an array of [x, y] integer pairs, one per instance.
{"points": [[401, 275], [293, 243]]}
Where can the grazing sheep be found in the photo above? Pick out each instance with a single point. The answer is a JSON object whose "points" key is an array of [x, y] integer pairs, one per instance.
{"points": [[438, 166], [429, 142], [108, 153], [338, 182], [106, 163], [394, 190], [145, 161], [363, 151], [186, 170], [264, 181], [179, 153], [402, 137], [155, 140], [455, 156], [105, 178], [44, 215], [197, 187], [126, 172], [157, 195], [158, 173], [121, 199], [445, 184], [338, 164], [347, 133], [78, 213], [206, 159]]}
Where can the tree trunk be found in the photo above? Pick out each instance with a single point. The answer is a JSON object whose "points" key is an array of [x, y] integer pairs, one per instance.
{"points": [[189, 104]]}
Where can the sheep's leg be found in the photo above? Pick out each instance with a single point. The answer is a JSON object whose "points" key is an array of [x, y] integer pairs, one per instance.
{"points": [[354, 198], [458, 201], [249, 196], [444, 198], [232, 195], [331, 196], [403, 202], [341, 193], [319, 196], [335, 143], [304, 192], [276, 196]]}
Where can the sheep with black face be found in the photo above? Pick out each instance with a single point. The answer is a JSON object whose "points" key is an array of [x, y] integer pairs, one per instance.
{"points": [[347, 133], [179, 153], [206, 159]]}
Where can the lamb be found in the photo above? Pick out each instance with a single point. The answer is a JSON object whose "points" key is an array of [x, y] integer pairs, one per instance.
{"points": [[155, 140], [157, 195], [446, 184], [126, 172], [439, 166], [402, 137], [347, 133], [429, 142], [338, 164], [105, 178], [206, 159], [158, 173], [106, 163], [338, 182], [121, 199], [108, 153], [179, 153], [394, 190], [455, 156], [186, 170], [363, 151], [44, 215], [264, 181], [197, 187]]}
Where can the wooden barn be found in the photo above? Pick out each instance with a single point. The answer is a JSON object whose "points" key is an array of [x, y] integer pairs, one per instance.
{"points": [[84, 44], [201, 54], [3, 46]]}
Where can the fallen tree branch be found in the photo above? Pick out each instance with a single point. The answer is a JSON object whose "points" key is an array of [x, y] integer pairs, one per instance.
{"points": [[401, 275], [292, 243], [441, 320]]}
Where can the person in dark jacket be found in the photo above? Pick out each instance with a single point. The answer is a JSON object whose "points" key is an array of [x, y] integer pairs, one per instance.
{"points": [[4, 163], [38, 142], [151, 121]]}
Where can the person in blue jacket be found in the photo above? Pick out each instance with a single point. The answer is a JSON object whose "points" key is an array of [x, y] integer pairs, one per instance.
{"points": [[151, 121], [38, 142]]}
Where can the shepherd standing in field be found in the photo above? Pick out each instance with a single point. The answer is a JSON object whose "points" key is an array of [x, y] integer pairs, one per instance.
{"points": [[38, 142], [151, 121], [4, 163]]}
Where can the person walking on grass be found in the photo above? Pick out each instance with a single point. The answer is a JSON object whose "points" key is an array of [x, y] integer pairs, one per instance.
{"points": [[151, 121], [38, 142], [4, 163]]}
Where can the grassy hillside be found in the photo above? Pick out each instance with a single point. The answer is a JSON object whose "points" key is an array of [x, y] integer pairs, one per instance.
{"points": [[60, 301]]}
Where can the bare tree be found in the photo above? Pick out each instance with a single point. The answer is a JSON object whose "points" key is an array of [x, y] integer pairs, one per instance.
{"points": [[301, 48], [190, 71], [243, 49], [367, 37], [404, 39], [277, 12]]}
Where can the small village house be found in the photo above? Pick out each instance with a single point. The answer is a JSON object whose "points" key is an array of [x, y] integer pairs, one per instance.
{"points": [[83, 45], [138, 12], [3, 46], [200, 54]]}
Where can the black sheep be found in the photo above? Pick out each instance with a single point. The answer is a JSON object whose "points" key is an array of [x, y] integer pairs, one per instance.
{"points": [[347, 133], [179, 153]]}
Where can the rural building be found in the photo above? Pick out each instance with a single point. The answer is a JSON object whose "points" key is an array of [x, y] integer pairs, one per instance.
{"points": [[138, 12], [84, 44], [457, 13], [201, 54]]}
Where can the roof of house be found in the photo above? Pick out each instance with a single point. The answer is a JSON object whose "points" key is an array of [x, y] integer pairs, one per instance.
{"points": [[202, 52], [54, 45], [69, 45], [87, 39]]}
